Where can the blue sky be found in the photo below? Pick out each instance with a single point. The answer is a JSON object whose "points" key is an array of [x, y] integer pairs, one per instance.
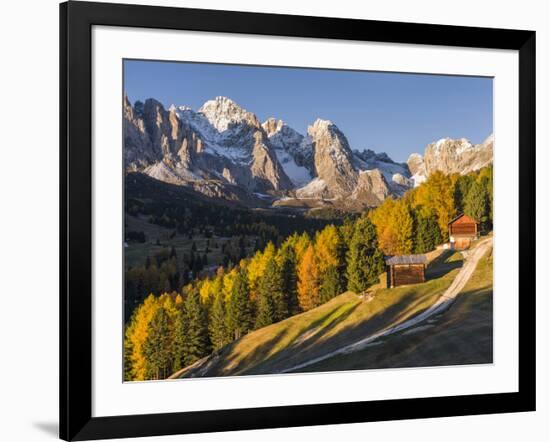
{"points": [[395, 113]]}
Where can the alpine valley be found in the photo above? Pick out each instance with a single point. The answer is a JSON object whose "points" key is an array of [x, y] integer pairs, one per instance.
{"points": [[225, 152]]}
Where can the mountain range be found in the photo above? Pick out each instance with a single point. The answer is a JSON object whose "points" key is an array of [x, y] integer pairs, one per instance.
{"points": [[224, 151]]}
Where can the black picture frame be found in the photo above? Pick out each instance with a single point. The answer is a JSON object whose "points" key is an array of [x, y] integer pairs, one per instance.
{"points": [[76, 21]]}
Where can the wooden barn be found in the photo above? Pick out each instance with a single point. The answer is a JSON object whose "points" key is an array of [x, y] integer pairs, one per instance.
{"points": [[463, 229], [405, 269]]}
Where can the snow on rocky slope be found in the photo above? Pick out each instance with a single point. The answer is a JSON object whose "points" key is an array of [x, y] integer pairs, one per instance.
{"points": [[223, 144]]}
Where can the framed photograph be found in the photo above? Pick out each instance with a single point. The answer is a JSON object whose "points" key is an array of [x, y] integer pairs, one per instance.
{"points": [[274, 220]]}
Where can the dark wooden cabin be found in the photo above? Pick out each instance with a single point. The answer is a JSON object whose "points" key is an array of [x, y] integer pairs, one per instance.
{"points": [[405, 269], [463, 229]]}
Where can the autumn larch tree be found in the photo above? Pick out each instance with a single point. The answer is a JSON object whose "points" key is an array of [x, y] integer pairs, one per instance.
{"points": [[330, 251], [436, 195], [308, 280], [136, 334]]}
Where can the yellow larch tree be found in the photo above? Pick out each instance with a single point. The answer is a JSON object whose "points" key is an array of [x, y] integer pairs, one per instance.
{"points": [[136, 334], [308, 280], [328, 248]]}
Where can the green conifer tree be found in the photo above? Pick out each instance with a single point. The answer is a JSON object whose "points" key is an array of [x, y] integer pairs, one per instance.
{"points": [[156, 347], [272, 304], [462, 187], [218, 325], [427, 233], [197, 343], [365, 261], [287, 269], [476, 202], [331, 284], [178, 341], [239, 309]]}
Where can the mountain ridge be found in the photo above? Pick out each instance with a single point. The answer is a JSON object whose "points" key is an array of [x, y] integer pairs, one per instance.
{"points": [[222, 147]]}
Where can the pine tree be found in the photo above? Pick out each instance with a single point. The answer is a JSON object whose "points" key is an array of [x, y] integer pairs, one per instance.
{"points": [[156, 347], [462, 186], [365, 260], [308, 280], [476, 202], [427, 233], [346, 230], [271, 303], [178, 340], [217, 326], [485, 178], [265, 310], [331, 284], [286, 259], [239, 310], [196, 328]]}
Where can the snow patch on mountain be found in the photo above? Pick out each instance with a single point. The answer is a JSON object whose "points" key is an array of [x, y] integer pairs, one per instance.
{"points": [[316, 187], [299, 175], [222, 112]]}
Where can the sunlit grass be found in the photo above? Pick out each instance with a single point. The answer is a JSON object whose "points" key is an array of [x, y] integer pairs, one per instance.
{"points": [[339, 322]]}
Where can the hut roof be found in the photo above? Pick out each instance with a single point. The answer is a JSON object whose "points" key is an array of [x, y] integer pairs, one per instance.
{"points": [[406, 259], [463, 215]]}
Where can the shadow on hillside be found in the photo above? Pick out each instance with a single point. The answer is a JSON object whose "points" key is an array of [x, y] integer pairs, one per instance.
{"points": [[311, 344], [322, 342], [441, 265], [257, 359], [462, 335]]}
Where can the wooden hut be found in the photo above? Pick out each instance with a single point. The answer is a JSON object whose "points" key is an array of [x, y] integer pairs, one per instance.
{"points": [[463, 229], [405, 269]]}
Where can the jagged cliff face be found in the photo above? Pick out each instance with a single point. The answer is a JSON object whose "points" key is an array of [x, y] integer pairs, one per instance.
{"points": [[293, 150], [341, 174], [223, 151], [333, 159], [451, 156], [222, 143]]}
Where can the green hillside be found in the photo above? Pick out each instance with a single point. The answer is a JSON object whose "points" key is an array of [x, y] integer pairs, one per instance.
{"points": [[461, 335], [343, 320]]}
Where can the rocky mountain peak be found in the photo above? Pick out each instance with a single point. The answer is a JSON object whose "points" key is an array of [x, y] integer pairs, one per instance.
{"points": [[272, 126], [451, 156], [222, 146], [333, 158], [222, 112], [320, 127]]}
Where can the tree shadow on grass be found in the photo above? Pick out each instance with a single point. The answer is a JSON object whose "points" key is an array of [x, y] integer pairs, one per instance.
{"points": [[310, 343], [323, 342], [462, 335], [441, 265]]}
